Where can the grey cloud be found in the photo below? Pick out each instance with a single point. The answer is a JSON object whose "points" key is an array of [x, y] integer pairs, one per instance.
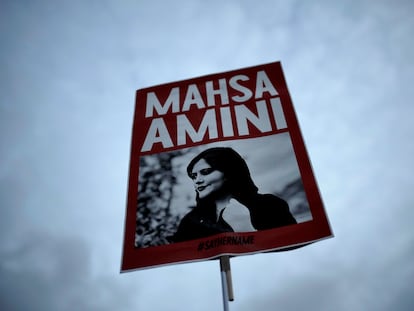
{"points": [[45, 272], [67, 94]]}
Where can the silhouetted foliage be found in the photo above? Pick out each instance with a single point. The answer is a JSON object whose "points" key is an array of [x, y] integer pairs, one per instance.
{"points": [[155, 188]]}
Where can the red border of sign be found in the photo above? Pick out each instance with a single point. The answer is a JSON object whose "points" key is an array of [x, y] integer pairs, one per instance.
{"points": [[267, 240]]}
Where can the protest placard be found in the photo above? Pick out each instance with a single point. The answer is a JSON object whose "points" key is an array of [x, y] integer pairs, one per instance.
{"points": [[218, 167]]}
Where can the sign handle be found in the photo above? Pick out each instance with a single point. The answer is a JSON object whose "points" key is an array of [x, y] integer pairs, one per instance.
{"points": [[226, 281]]}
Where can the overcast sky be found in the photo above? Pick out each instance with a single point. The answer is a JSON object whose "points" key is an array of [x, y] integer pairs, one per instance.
{"points": [[69, 71]]}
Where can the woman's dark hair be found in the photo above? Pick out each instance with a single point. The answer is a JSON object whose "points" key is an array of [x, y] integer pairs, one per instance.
{"points": [[232, 165]]}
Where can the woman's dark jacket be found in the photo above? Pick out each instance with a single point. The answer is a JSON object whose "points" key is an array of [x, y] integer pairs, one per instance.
{"points": [[266, 212]]}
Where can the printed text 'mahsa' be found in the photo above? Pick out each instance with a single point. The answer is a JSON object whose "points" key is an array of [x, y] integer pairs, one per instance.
{"points": [[231, 119]]}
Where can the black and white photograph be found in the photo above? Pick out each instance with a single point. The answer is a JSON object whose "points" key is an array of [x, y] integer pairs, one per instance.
{"points": [[235, 186]]}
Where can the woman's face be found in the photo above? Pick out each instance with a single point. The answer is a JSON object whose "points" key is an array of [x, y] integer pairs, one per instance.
{"points": [[206, 179]]}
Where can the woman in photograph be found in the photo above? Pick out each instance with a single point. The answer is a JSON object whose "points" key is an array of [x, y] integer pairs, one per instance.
{"points": [[227, 198]]}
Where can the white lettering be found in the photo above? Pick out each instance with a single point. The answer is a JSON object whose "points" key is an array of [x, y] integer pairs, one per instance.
{"points": [[278, 113], [153, 103], [157, 133], [263, 84], [222, 91], [261, 122], [193, 97], [247, 93], [184, 127], [226, 122]]}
